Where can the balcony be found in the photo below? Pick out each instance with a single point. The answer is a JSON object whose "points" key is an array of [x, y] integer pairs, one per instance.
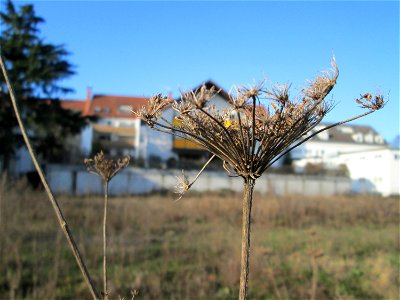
{"points": [[185, 145]]}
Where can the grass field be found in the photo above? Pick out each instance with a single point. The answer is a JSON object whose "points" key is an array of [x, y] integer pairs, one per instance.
{"points": [[302, 247]]}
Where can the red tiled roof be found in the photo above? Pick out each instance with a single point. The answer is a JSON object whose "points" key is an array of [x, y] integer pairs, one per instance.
{"points": [[76, 105], [107, 106]]}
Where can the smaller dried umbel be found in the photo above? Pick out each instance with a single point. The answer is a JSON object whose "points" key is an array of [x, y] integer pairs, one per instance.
{"points": [[105, 168], [182, 185]]}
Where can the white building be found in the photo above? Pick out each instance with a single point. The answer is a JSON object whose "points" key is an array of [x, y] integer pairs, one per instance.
{"points": [[372, 165], [116, 130], [328, 145], [373, 171]]}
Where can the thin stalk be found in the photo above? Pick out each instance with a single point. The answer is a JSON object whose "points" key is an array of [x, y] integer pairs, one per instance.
{"points": [[105, 290], [244, 148], [253, 134], [244, 267], [56, 207], [202, 169], [212, 148], [234, 147]]}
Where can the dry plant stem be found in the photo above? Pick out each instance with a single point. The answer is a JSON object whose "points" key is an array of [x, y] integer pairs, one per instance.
{"points": [[314, 283], [56, 207], [246, 223], [105, 241]]}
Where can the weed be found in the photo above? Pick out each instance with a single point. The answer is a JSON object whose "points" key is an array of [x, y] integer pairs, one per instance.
{"points": [[249, 136]]}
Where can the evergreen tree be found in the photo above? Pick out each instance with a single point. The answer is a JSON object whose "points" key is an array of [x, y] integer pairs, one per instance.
{"points": [[35, 69]]}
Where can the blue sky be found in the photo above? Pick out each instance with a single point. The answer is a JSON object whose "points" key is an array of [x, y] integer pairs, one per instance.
{"points": [[143, 48]]}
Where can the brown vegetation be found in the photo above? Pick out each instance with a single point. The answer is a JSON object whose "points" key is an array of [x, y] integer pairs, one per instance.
{"points": [[342, 247]]}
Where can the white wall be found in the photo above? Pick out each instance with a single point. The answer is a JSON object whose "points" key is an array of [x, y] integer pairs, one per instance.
{"points": [[219, 102], [133, 181], [155, 143], [377, 169], [86, 140], [324, 152]]}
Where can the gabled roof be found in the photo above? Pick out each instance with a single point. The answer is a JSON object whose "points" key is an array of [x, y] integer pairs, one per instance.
{"points": [[209, 84], [108, 106], [354, 134]]}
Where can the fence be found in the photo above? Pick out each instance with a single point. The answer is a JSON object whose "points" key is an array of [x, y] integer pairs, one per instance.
{"points": [[133, 181]]}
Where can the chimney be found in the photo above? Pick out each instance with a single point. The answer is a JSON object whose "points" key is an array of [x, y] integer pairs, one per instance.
{"points": [[88, 101]]}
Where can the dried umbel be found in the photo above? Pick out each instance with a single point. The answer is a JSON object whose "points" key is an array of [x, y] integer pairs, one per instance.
{"points": [[105, 168], [182, 185], [259, 125], [258, 128]]}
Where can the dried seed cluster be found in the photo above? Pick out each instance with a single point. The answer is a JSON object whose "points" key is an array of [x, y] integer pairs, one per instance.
{"points": [[105, 168], [257, 127]]}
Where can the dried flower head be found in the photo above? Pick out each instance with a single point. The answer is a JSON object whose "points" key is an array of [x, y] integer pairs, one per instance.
{"points": [[319, 88], [371, 102], [182, 185], [156, 105], [260, 125], [105, 168]]}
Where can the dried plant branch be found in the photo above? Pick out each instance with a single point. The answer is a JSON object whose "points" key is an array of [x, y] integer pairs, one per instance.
{"points": [[322, 130], [105, 288], [183, 184], [106, 169], [260, 135], [56, 207]]}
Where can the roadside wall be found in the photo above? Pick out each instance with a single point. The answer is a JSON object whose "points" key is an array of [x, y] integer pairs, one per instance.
{"points": [[133, 181]]}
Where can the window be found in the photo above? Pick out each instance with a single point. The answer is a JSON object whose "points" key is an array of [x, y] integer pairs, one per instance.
{"points": [[324, 136], [125, 109], [125, 124], [369, 138], [358, 137], [104, 137], [346, 129], [378, 139]]}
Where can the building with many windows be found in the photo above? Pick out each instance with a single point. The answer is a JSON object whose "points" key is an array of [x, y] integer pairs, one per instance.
{"points": [[116, 130], [328, 145]]}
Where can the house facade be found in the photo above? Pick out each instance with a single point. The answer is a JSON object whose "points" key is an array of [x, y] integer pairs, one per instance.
{"points": [[325, 147], [372, 165], [375, 171], [184, 149], [116, 130]]}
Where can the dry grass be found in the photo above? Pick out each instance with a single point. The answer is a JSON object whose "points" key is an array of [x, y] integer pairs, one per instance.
{"points": [[190, 249]]}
